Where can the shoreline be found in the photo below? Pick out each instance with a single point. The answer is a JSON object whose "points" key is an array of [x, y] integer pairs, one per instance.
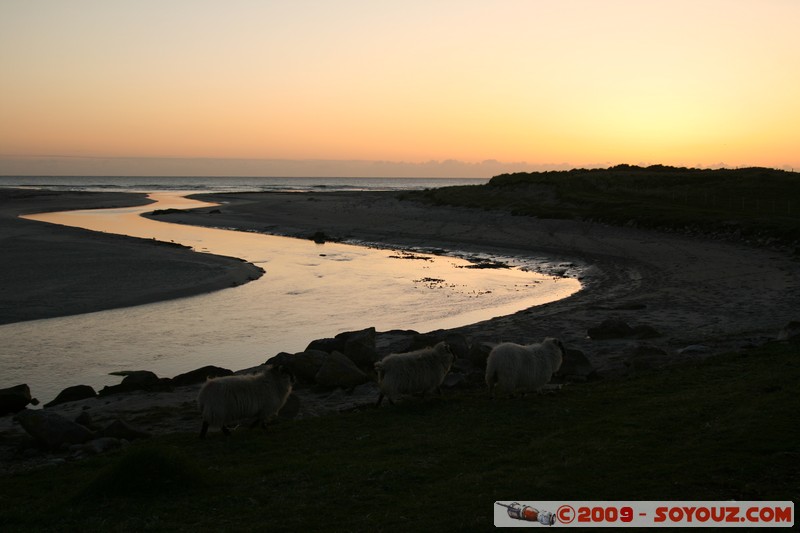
{"points": [[88, 264], [721, 295], [693, 290], [711, 297]]}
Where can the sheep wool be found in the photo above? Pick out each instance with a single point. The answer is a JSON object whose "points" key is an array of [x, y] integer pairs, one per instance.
{"points": [[255, 397], [522, 368], [420, 371]]}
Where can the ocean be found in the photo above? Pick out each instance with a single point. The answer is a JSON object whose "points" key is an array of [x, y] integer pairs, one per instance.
{"points": [[229, 184], [308, 291]]}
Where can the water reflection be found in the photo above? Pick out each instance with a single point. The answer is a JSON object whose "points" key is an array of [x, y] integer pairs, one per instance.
{"points": [[309, 291]]}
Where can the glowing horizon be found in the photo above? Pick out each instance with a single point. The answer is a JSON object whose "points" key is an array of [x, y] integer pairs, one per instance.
{"points": [[412, 87]]}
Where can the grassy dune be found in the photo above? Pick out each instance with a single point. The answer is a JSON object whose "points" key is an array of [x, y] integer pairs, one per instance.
{"points": [[752, 203]]}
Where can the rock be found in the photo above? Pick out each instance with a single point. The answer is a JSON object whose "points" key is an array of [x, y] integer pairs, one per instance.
{"points": [[138, 380], [101, 445], [200, 375], [479, 353], [615, 328], [612, 328], [327, 345], [576, 366], [644, 331], [72, 394], [339, 371], [395, 341], [457, 342], [120, 429], [694, 349], [51, 429], [424, 340], [320, 237], [458, 345], [85, 419], [454, 381], [14, 399], [790, 332], [304, 365], [359, 347], [646, 356], [462, 366]]}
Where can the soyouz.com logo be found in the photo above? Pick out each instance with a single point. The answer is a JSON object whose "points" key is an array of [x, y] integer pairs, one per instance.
{"points": [[645, 514]]}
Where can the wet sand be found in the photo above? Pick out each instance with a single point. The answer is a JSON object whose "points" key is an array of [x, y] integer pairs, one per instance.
{"points": [[50, 271], [692, 291]]}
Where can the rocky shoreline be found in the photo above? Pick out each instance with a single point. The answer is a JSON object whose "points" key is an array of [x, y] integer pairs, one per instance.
{"points": [[650, 300]]}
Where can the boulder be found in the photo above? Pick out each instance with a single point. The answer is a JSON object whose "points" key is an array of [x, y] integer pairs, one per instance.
{"points": [[359, 347], [575, 366], [14, 399], [72, 394], [305, 365], [200, 375], [327, 345], [694, 349], [479, 353], [457, 342], [136, 381], [646, 356], [790, 332], [458, 345], [454, 381], [615, 328], [85, 419], [395, 341], [120, 429], [612, 328], [424, 340], [96, 446], [339, 371], [52, 430], [643, 331]]}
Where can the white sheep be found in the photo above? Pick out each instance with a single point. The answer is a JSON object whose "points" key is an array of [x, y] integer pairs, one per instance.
{"points": [[516, 367], [254, 397], [413, 372]]}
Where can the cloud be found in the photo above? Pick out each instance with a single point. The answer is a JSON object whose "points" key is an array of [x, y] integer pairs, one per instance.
{"points": [[152, 166]]}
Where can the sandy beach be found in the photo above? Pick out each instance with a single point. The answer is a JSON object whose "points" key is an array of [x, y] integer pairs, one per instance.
{"points": [[50, 271], [707, 296], [693, 291]]}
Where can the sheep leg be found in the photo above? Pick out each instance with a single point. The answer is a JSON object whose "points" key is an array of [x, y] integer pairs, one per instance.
{"points": [[380, 399], [204, 430]]}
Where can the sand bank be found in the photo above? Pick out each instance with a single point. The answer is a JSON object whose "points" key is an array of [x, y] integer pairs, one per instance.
{"points": [[50, 271], [720, 296], [693, 291]]}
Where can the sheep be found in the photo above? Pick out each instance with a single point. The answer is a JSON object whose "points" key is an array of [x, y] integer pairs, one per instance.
{"points": [[523, 368], [418, 371], [256, 397]]}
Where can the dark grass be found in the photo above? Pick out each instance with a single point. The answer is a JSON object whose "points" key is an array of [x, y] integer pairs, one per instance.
{"points": [[750, 203], [722, 429]]}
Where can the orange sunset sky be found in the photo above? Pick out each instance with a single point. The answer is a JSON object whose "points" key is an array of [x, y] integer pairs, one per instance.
{"points": [[433, 87]]}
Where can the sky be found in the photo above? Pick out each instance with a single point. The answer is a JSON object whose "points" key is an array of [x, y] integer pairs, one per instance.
{"points": [[462, 88]]}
